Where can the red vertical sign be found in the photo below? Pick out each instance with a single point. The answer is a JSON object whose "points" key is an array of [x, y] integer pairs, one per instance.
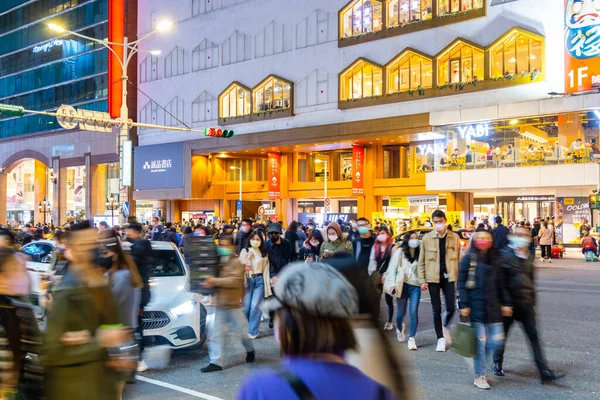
{"points": [[358, 163], [116, 34], [274, 176]]}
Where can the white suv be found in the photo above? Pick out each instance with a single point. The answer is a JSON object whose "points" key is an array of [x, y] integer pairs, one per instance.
{"points": [[174, 316]]}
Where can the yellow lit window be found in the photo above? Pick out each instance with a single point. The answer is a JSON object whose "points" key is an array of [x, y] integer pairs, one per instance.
{"points": [[361, 79], [234, 101], [408, 71], [454, 6], [272, 94], [362, 16], [402, 12], [516, 53], [461, 63]]}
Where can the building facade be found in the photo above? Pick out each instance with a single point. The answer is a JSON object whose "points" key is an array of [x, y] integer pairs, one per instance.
{"points": [[48, 173], [456, 104]]}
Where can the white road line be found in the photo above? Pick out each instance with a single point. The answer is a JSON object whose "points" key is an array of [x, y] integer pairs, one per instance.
{"points": [[177, 388]]}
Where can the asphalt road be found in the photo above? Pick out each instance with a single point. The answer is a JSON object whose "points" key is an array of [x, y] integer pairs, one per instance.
{"points": [[568, 321]]}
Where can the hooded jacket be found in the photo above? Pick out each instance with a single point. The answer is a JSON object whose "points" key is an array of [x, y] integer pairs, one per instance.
{"points": [[341, 244]]}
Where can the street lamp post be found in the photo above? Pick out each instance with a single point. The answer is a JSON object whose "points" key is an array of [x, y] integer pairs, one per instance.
{"points": [[130, 49], [239, 212], [44, 207], [324, 188], [112, 206]]}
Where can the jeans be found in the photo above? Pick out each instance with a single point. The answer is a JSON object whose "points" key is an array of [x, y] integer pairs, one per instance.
{"points": [[255, 293], [238, 326], [413, 294], [436, 304], [526, 315], [489, 338], [546, 250]]}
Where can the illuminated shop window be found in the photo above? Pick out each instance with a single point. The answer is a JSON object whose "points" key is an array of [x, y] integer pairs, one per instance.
{"points": [[402, 12], [362, 16], [234, 101], [361, 79], [408, 71], [454, 6], [272, 94], [460, 62], [517, 52]]}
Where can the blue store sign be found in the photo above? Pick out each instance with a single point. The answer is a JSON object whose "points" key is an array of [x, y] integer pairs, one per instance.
{"points": [[159, 166]]}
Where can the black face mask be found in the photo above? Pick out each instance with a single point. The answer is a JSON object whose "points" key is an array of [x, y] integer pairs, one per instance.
{"points": [[105, 262]]}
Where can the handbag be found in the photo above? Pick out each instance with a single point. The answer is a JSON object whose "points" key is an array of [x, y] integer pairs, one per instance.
{"points": [[464, 341]]}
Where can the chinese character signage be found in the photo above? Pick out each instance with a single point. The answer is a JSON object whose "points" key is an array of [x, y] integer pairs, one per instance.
{"points": [[274, 176], [358, 163], [78, 185], [582, 45], [569, 216], [159, 167]]}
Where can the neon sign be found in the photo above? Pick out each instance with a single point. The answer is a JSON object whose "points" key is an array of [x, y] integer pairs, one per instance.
{"points": [[479, 130], [47, 46]]}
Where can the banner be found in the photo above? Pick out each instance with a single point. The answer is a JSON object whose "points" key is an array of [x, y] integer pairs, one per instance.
{"points": [[358, 163], [569, 216], [20, 184], [159, 166], [455, 218], [274, 176], [400, 202], [78, 186], [582, 46]]}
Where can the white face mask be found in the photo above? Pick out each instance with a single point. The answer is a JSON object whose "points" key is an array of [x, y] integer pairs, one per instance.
{"points": [[414, 243], [332, 238], [440, 227], [354, 225], [245, 228], [314, 243], [382, 238]]}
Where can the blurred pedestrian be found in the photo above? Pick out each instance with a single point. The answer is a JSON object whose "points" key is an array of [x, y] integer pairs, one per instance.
{"points": [[483, 299], [291, 235], [438, 271], [500, 234], [313, 306], [379, 261], [403, 282], [243, 235], [518, 274], [258, 280], [230, 289], [7, 238], [311, 248]]}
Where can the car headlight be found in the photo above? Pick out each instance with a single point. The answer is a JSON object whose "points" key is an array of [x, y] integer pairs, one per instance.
{"points": [[183, 309]]}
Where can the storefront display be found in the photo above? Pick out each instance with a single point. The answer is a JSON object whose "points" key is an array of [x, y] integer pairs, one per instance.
{"points": [[525, 208], [570, 213], [76, 179], [20, 192]]}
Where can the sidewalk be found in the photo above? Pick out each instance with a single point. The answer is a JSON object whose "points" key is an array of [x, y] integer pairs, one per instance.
{"points": [[573, 259]]}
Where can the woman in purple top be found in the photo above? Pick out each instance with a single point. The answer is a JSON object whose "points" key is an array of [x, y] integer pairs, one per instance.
{"points": [[313, 303]]}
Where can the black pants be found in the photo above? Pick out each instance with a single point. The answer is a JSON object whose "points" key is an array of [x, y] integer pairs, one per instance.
{"points": [[389, 300], [546, 250], [436, 304], [525, 314]]}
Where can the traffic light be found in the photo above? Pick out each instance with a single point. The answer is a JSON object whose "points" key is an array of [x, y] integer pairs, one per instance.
{"points": [[594, 200], [11, 111], [218, 132]]}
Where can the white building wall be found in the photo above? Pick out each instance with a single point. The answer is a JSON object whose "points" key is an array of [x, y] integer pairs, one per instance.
{"points": [[297, 40]]}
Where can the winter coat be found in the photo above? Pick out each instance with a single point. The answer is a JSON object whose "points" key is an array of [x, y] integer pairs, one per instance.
{"points": [[489, 294], [141, 252], [230, 283], [429, 257], [500, 234], [518, 276], [545, 236]]}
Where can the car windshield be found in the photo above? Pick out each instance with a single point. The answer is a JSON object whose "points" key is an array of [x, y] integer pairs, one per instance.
{"points": [[165, 263]]}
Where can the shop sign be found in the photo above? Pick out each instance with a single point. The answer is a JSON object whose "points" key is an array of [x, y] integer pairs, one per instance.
{"points": [[400, 202], [20, 184], [358, 162], [436, 148], [506, 199], [274, 161], [47, 46], [159, 166], [424, 200], [582, 46], [78, 185], [474, 131], [570, 213]]}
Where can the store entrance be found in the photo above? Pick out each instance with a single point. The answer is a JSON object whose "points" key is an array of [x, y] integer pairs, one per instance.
{"points": [[525, 208]]}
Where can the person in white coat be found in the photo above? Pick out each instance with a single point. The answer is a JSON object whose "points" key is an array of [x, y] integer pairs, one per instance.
{"points": [[402, 282]]}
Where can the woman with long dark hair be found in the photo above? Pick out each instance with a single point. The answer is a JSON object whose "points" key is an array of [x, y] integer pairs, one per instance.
{"points": [[402, 281], [258, 280], [381, 254], [312, 247]]}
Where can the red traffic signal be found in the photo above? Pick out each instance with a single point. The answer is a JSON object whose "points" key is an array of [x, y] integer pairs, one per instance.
{"points": [[218, 132]]}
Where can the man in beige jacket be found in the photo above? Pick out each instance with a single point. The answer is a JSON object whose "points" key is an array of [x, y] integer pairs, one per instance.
{"points": [[438, 271]]}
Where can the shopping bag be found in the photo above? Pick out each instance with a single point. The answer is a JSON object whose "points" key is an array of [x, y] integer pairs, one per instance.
{"points": [[464, 341]]}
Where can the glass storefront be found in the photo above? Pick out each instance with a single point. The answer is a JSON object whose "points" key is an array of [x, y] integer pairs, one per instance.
{"points": [[545, 140], [143, 211], [76, 178], [20, 192], [311, 166], [525, 208]]}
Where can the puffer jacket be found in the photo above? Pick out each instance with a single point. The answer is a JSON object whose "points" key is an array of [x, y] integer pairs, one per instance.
{"points": [[518, 276]]}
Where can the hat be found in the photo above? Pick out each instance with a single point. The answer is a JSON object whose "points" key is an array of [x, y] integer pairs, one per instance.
{"points": [[313, 288], [275, 227]]}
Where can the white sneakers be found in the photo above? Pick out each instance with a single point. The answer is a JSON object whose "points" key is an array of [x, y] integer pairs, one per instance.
{"points": [[447, 336], [252, 336], [142, 366], [542, 259], [400, 334], [482, 383], [388, 326], [441, 345], [412, 344]]}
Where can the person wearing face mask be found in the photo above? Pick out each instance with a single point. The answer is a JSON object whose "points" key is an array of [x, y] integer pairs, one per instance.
{"points": [[258, 280], [202, 257], [337, 242], [312, 247], [438, 271], [518, 274], [364, 242], [243, 236], [402, 282], [21, 375], [484, 300], [229, 284], [379, 262]]}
